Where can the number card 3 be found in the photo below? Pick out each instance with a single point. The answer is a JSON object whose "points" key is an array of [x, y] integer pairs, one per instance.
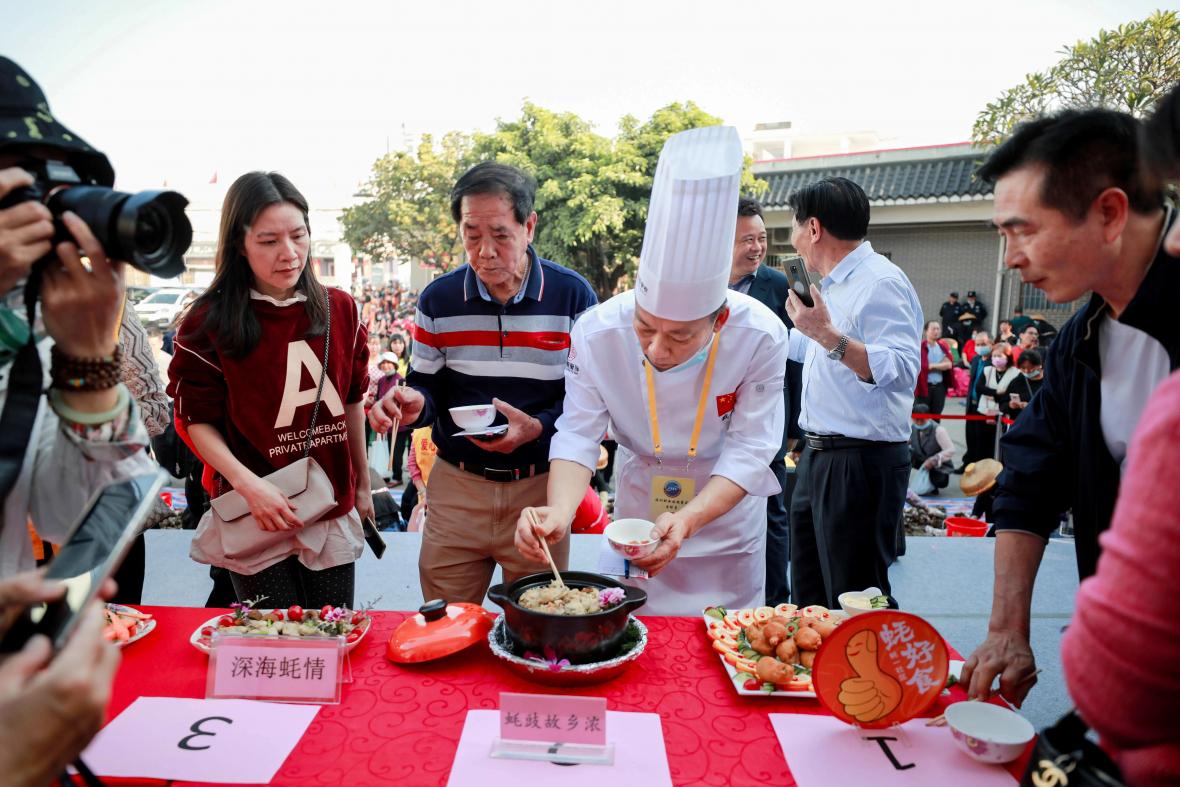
{"points": [[218, 741], [273, 668]]}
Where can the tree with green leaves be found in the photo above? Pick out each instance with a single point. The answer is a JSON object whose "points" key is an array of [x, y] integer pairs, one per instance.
{"points": [[1129, 69], [407, 213], [592, 191]]}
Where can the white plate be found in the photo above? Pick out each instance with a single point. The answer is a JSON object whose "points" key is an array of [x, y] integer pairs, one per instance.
{"points": [[729, 668], [142, 629], [488, 432], [195, 638]]}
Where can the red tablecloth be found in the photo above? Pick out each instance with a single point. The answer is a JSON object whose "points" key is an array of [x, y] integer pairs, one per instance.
{"points": [[401, 724]]}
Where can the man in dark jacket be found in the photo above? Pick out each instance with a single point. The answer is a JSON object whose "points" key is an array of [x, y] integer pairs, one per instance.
{"points": [[976, 307], [1077, 217], [770, 286], [950, 312]]}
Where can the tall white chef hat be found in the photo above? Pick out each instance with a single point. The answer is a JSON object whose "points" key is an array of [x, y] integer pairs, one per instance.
{"points": [[688, 242]]}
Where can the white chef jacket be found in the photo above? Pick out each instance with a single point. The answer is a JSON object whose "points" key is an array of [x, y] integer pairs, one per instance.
{"points": [[724, 563]]}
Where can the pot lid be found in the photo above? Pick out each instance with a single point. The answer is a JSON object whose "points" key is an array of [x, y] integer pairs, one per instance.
{"points": [[438, 629]]}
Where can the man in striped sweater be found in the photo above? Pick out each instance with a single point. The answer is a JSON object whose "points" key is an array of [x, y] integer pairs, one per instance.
{"points": [[494, 331]]}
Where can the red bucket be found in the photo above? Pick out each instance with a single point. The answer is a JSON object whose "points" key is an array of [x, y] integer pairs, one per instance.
{"points": [[965, 526]]}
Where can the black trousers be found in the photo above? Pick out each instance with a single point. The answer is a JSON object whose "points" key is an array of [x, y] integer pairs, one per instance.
{"points": [[778, 538], [290, 582], [844, 520], [129, 575], [981, 437], [936, 398]]}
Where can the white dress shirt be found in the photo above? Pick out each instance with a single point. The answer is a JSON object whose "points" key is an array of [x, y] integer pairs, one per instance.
{"points": [[870, 300]]}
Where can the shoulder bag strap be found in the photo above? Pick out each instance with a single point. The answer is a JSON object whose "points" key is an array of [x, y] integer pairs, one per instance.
{"points": [[323, 373], [23, 397]]}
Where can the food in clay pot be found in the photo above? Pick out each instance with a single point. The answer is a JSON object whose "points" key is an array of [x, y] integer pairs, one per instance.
{"points": [[570, 630]]}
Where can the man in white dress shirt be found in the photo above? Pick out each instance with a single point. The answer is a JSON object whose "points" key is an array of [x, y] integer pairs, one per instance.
{"points": [[689, 376], [859, 346]]}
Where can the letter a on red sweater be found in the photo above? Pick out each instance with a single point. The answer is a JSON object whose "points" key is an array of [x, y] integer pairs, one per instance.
{"points": [[300, 357]]}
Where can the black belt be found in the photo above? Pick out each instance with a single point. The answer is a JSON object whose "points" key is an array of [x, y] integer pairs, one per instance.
{"points": [[501, 474], [835, 442]]}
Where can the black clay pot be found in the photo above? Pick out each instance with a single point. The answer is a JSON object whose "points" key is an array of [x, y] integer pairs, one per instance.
{"points": [[580, 638]]}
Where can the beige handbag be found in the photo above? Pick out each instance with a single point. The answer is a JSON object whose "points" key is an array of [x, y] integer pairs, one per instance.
{"points": [[303, 482]]}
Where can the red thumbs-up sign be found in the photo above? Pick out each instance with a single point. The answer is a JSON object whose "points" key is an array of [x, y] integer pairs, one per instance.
{"points": [[871, 694], [880, 668]]}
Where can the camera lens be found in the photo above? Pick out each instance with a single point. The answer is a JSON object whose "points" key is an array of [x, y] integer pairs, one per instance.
{"points": [[149, 229]]}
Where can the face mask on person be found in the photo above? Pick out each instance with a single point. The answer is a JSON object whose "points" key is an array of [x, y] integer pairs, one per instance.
{"points": [[925, 423], [983, 349], [1034, 374], [999, 361], [699, 358]]}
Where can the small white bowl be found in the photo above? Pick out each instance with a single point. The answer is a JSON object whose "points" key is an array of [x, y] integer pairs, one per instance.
{"points": [[631, 538], [845, 600], [474, 416], [989, 733]]}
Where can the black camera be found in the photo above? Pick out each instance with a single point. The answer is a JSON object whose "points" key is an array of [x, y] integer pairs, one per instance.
{"points": [[148, 230]]}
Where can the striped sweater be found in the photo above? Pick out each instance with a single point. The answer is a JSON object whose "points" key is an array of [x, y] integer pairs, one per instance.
{"points": [[469, 348]]}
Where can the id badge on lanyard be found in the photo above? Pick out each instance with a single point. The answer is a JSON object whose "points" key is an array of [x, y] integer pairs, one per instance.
{"points": [[668, 493]]}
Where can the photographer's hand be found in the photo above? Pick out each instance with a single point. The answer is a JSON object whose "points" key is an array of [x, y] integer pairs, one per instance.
{"points": [[25, 230], [50, 709], [82, 308]]}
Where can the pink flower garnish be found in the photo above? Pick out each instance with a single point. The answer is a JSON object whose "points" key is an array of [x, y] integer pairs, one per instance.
{"points": [[609, 597], [334, 615], [549, 659]]}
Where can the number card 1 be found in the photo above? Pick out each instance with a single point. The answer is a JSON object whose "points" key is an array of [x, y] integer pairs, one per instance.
{"points": [[308, 670]]}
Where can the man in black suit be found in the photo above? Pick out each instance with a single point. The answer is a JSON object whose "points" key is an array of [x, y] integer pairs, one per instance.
{"points": [[769, 286], [950, 312]]}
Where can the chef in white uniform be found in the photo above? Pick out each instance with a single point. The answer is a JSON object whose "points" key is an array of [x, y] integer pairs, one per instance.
{"points": [[688, 376]]}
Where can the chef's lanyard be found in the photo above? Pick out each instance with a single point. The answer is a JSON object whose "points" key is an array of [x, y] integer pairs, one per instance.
{"points": [[653, 416]]}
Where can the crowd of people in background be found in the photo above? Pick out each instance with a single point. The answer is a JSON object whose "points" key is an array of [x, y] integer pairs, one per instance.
{"points": [[1095, 437]]}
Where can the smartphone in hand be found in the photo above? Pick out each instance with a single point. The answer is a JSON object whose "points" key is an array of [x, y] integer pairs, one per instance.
{"points": [[799, 281], [95, 549], [373, 537]]}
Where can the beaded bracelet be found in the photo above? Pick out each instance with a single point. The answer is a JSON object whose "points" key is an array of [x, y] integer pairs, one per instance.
{"points": [[85, 374]]}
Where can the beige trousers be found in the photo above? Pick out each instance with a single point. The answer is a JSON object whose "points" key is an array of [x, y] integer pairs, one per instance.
{"points": [[470, 527]]}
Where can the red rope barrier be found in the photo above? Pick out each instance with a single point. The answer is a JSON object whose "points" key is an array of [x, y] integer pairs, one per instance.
{"points": [[991, 419]]}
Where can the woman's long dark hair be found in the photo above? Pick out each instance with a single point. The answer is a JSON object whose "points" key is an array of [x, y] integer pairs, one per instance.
{"points": [[229, 315]]}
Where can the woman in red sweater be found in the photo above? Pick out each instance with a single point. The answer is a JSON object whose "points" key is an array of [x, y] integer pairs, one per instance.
{"points": [[244, 378]]}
